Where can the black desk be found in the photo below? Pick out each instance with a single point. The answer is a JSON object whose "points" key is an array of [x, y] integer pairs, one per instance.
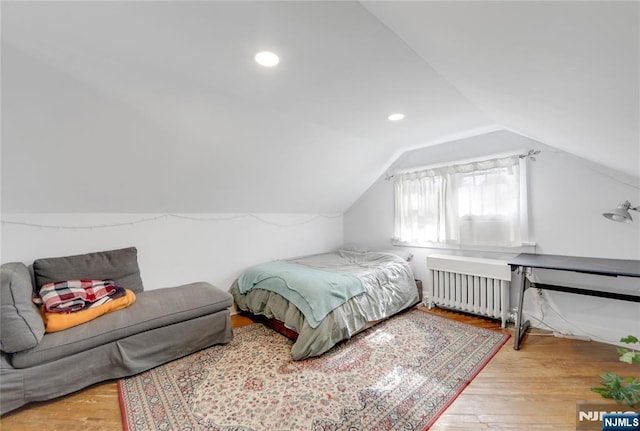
{"points": [[587, 265]]}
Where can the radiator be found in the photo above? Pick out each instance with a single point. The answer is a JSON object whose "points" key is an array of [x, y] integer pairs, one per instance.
{"points": [[470, 284]]}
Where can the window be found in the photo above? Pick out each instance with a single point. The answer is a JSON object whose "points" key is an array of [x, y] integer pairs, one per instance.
{"points": [[479, 204]]}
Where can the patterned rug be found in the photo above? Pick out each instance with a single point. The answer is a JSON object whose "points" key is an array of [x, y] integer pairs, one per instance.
{"points": [[399, 375]]}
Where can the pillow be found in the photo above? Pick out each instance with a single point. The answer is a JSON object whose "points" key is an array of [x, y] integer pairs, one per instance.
{"points": [[21, 326], [120, 266], [406, 255], [348, 254], [356, 248]]}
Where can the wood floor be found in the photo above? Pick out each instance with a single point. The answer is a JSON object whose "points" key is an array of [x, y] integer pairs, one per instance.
{"points": [[534, 388]]}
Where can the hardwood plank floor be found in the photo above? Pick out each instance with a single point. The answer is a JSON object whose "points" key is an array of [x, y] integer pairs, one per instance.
{"points": [[534, 388]]}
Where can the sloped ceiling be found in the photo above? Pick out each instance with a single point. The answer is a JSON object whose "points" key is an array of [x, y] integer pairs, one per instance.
{"points": [[563, 72], [159, 106]]}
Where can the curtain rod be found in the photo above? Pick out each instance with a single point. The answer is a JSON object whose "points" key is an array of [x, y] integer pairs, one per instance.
{"points": [[521, 155]]}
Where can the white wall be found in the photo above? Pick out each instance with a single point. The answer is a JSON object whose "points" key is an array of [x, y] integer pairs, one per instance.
{"points": [[173, 250], [567, 196]]}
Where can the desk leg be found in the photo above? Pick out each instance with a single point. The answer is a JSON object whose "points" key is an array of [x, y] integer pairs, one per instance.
{"points": [[521, 328]]}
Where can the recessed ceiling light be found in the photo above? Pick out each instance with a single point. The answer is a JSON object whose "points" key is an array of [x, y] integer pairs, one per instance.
{"points": [[396, 117], [267, 59]]}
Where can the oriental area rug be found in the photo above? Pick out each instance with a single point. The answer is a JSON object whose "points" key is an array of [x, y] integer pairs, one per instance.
{"points": [[398, 375]]}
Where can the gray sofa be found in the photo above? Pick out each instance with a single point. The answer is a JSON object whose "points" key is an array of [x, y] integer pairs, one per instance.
{"points": [[160, 326]]}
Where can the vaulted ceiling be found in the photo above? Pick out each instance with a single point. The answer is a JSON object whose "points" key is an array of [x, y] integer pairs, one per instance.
{"points": [[160, 106]]}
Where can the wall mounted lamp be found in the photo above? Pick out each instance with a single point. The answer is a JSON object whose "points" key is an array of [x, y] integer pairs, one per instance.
{"points": [[621, 213]]}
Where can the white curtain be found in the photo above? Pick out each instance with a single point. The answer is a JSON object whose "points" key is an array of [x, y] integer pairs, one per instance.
{"points": [[476, 204]]}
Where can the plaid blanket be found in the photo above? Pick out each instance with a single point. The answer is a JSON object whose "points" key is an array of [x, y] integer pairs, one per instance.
{"points": [[74, 295]]}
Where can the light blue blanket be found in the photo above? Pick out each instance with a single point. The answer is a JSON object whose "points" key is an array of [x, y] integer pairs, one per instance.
{"points": [[315, 292]]}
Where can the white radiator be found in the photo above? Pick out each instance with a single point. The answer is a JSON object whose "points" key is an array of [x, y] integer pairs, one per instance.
{"points": [[470, 284]]}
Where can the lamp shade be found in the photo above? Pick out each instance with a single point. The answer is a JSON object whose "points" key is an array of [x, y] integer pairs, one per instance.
{"points": [[621, 213]]}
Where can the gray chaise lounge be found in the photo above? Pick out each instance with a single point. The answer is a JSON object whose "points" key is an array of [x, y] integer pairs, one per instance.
{"points": [[160, 326]]}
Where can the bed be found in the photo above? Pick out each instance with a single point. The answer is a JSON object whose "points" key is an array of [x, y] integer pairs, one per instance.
{"points": [[322, 299]]}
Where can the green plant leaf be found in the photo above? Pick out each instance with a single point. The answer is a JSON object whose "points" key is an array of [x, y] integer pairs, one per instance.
{"points": [[622, 351], [629, 339], [605, 392], [614, 386], [622, 390], [628, 357]]}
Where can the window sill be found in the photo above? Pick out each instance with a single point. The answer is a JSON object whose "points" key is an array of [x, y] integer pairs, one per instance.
{"points": [[526, 247]]}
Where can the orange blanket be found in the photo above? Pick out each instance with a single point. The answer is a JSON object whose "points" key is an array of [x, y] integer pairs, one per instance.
{"points": [[54, 322]]}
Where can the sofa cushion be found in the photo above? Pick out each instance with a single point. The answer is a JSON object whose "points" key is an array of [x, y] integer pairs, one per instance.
{"points": [[153, 309], [120, 266], [21, 326]]}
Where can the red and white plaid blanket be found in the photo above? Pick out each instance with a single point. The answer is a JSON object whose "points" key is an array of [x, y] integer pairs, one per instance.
{"points": [[74, 295]]}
